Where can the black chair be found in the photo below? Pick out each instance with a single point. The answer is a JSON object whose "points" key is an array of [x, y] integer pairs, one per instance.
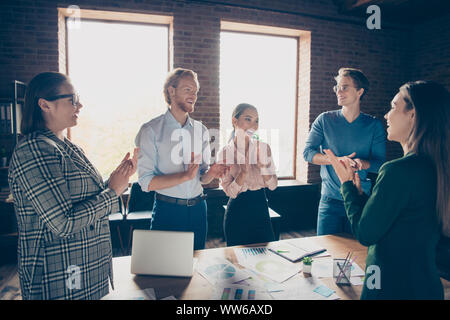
{"points": [[139, 214], [115, 221]]}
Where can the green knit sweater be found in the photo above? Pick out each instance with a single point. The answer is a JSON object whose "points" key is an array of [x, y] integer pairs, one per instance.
{"points": [[398, 223]]}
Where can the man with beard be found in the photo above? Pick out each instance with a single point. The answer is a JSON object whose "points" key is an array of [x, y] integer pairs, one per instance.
{"points": [[174, 160]]}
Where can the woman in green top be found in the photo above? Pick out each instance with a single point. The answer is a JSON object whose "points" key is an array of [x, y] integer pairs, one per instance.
{"points": [[409, 207]]}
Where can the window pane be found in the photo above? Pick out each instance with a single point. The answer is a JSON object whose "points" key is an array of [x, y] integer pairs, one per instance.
{"points": [[261, 70], [119, 70]]}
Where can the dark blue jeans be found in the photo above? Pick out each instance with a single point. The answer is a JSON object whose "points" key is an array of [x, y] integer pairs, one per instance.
{"points": [[331, 217], [174, 217]]}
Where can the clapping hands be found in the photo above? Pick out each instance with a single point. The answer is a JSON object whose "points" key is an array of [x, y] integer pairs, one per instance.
{"points": [[119, 179], [345, 169]]}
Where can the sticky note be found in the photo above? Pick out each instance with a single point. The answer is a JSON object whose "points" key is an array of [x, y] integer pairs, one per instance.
{"points": [[324, 291]]}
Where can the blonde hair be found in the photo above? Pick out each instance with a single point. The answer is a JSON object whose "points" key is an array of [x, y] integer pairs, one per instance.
{"points": [[174, 77]]}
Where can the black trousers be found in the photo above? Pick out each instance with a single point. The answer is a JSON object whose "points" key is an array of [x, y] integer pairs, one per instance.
{"points": [[247, 219]]}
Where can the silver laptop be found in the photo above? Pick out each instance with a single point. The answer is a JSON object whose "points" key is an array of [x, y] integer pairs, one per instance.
{"points": [[163, 253]]}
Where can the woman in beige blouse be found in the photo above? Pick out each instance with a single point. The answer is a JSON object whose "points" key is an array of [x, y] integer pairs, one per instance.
{"points": [[251, 170]]}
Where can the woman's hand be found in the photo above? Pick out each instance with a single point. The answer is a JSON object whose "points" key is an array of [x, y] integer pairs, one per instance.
{"points": [[134, 160], [344, 170], [218, 170], [348, 159], [243, 167], [362, 164], [118, 181], [264, 160], [357, 183], [342, 166]]}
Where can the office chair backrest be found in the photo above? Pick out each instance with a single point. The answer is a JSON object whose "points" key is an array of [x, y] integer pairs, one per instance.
{"points": [[140, 200]]}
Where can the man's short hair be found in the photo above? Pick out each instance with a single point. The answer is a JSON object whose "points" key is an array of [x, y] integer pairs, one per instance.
{"points": [[358, 77], [174, 77]]}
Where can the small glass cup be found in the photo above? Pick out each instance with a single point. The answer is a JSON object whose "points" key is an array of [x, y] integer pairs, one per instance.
{"points": [[340, 275]]}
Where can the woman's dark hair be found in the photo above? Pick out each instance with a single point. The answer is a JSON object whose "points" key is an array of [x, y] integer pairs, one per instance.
{"points": [[430, 136], [43, 85]]}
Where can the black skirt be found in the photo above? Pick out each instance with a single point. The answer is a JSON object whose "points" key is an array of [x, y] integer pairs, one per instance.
{"points": [[247, 219]]}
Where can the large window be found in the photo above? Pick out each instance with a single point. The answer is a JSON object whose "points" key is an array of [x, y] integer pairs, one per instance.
{"points": [[262, 70], [119, 70]]}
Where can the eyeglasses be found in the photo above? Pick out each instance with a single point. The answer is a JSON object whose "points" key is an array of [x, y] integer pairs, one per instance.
{"points": [[343, 88], [75, 98]]}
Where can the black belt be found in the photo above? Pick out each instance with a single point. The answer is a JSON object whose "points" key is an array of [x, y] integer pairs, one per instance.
{"points": [[183, 202]]}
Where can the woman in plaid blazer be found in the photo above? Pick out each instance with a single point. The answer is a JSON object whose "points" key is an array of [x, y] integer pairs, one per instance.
{"points": [[61, 202]]}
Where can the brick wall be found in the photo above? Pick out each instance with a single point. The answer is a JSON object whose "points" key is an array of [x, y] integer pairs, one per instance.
{"points": [[430, 44], [389, 57]]}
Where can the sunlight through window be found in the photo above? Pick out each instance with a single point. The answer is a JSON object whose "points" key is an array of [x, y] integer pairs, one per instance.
{"points": [[261, 70], [119, 71]]}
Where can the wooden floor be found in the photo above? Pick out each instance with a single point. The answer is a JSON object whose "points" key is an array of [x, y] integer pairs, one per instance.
{"points": [[10, 285]]}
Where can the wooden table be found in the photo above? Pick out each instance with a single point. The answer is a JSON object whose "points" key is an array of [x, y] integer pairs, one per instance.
{"points": [[198, 288]]}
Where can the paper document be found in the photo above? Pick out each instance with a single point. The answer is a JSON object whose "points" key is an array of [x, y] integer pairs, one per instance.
{"points": [[295, 251], [266, 263], [301, 288], [219, 270], [309, 245], [239, 292]]}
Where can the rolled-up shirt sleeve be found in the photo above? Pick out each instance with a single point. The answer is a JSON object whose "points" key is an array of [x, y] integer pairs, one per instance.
{"points": [[272, 183], [230, 186], [145, 140]]}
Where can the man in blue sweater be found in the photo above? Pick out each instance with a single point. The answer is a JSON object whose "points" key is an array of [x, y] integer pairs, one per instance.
{"points": [[350, 134]]}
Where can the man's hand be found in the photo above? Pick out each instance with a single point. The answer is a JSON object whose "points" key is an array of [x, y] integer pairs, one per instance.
{"points": [[192, 169]]}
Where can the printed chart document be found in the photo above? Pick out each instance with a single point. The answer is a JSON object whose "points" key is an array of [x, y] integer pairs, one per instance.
{"points": [[239, 292], [219, 271], [266, 263], [295, 250]]}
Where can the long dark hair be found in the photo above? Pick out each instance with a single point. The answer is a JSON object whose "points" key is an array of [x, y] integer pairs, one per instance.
{"points": [[430, 136], [43, 85]]}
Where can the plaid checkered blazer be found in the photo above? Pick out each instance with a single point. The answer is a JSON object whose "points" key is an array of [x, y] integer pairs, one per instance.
{"points": [[62, 207]]}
